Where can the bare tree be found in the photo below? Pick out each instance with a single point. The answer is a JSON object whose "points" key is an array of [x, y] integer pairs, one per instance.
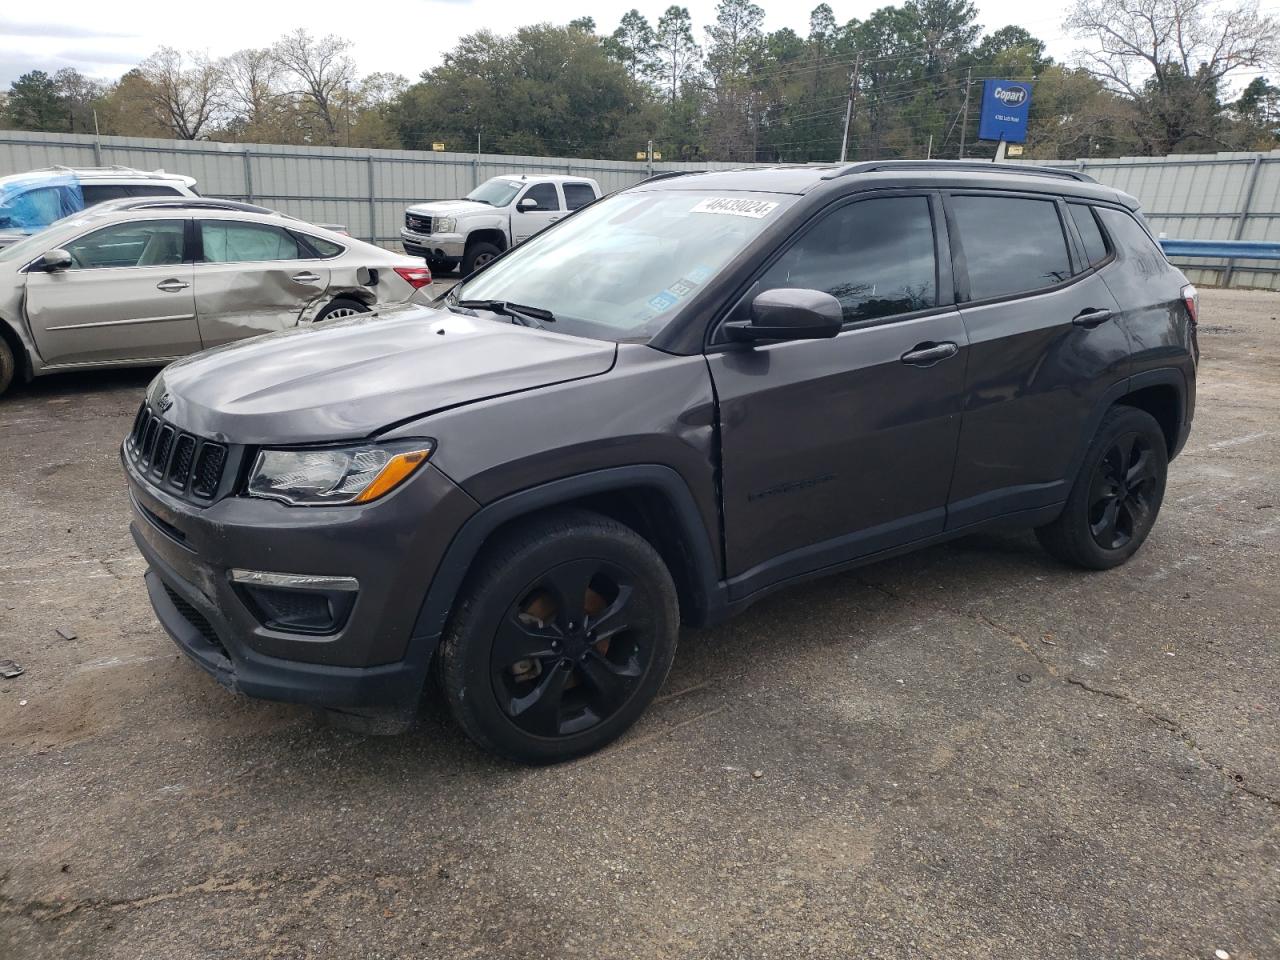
{"points": [[1171, 57], [253, 86], [323, 73], [186, 90]]}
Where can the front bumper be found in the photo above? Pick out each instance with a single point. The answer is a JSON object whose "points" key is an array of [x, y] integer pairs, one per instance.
{"points": [[374, 661], [440, 246]]}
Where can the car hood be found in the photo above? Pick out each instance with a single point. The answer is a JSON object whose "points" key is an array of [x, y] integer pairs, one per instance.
{"points": [[351, 378], [451, 208]]}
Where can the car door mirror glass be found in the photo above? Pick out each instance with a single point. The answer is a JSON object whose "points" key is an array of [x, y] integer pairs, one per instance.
{"points": [[790, 314], [527, 204], [54, 260]]}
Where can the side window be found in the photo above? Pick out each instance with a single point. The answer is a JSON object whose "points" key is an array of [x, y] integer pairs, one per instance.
{"points": [[101, 192], [137, 243], [1011, 245], [875, 256], [578, 195], [229, 241], [1095, 247], [153, 190], [326, 248], [545, 194], [1133, 242]]}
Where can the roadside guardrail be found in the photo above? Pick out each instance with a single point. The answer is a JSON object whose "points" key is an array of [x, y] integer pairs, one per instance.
{"points": [[1231, 249]]}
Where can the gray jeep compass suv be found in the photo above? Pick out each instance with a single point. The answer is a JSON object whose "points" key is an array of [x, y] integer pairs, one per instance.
{"points": [[676, 400]]}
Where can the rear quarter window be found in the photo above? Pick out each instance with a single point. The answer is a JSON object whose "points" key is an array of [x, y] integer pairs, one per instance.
{"points": [[1132, 241], [1095, 246], [1011, 244]]}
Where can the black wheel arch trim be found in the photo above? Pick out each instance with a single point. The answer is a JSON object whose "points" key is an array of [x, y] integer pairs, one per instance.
{"points": [[1159, 377], [707, 590]]}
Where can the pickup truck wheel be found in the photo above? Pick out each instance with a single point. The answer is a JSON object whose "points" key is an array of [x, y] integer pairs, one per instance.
{"points": [[1116, 496], [8, 366], [478, 254], [562, 637], [340, 307]]}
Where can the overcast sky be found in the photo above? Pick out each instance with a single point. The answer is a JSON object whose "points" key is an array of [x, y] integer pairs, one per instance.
{"points": [[401, 36]]}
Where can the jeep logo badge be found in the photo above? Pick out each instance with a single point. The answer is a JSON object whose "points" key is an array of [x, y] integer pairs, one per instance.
{"points": [[164, 403], [1011, 96]]}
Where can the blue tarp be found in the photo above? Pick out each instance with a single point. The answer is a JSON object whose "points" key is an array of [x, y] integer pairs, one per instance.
{"points": [[33, 202]]}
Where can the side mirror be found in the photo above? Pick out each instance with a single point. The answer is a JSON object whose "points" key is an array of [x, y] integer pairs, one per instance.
{"points": [[53, 261], [790, 314], [527, 204]]}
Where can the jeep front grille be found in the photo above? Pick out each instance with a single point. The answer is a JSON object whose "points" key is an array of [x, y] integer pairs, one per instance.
{"points": [[180, 462], [418, 224]]}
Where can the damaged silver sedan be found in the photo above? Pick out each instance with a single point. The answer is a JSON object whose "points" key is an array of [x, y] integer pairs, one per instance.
{"points": [[142, 282]]}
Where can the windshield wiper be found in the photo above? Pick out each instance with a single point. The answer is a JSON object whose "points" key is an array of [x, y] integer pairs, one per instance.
{"points": [[525, 316]]}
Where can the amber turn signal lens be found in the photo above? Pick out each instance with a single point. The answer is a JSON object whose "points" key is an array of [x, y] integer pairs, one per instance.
{"points": [[397, 470]]}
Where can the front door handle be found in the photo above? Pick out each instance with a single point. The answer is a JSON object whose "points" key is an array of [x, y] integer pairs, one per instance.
{"points": [[172, 285], [928, 353], [1091, 318], [305, 277]]}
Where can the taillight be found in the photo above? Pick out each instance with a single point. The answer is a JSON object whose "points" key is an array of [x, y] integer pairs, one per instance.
{"points": [[1191, 297], [416, 277]]}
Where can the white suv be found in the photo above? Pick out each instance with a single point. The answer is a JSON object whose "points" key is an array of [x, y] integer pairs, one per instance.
{"points": [[31, 201], [496, 215]]}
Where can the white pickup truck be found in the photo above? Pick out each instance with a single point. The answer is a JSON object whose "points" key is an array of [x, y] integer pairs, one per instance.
{"points": [[496, 215]]}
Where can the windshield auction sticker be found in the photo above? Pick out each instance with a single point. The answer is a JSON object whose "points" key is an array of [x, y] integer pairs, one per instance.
{"points": [[755, 209]]}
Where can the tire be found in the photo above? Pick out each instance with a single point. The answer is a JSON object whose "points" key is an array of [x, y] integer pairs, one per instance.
{"points": [[477, 255], [8, 366], [1116, 496], [339, 308], [538, 680]]}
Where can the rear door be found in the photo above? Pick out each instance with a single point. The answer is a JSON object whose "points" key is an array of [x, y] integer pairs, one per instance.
{"points": [[836, 448], [127, 296], [252, 278], [549, 209], [1044, 346]]}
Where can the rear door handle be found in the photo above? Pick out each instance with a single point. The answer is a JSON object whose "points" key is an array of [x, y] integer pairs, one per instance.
{"points": [[305, 277], [172, 285], [928, 353], [1091, 317]]}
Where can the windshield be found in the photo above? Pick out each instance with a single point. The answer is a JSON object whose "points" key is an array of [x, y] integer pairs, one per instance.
{"points": [[496, 193], [620, 269]]}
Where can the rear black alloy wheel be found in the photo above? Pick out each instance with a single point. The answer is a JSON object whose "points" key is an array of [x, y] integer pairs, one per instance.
{"points": [[1122, 491], [563, 635], [1117, 493]]}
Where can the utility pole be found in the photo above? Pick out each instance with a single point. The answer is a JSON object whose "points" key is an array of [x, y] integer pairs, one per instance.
{"points": [[964, 120], [928, 153], [649, 158], [848, 107]]}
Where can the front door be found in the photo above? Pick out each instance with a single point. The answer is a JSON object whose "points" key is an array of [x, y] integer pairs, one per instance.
{"points": [[253, 278], [833, 449], [126, 296], [527, 221]]}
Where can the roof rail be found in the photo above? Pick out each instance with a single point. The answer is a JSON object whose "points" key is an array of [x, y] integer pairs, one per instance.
{"points": [[969, 166], [199, 203]]}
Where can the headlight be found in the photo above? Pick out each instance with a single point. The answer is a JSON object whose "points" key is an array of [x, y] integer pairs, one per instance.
{"points": [[330, 476], [444, 225]]}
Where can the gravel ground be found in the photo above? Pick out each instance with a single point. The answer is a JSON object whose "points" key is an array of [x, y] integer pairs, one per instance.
{"points": [[968, 752]]}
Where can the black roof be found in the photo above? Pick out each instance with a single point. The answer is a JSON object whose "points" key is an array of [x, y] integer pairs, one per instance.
{"points": [[806, 178]]}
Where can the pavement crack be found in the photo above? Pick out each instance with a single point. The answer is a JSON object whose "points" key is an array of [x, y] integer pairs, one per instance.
{"points": [[47, 910], [1234, 778]]}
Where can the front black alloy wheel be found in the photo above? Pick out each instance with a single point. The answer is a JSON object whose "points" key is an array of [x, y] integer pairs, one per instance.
{"points": [[563, 635], [1116, 496], [570, 652]]}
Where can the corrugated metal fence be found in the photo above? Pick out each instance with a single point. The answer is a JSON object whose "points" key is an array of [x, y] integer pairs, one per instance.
{"points": [[367, 190], [1225, 196]]}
